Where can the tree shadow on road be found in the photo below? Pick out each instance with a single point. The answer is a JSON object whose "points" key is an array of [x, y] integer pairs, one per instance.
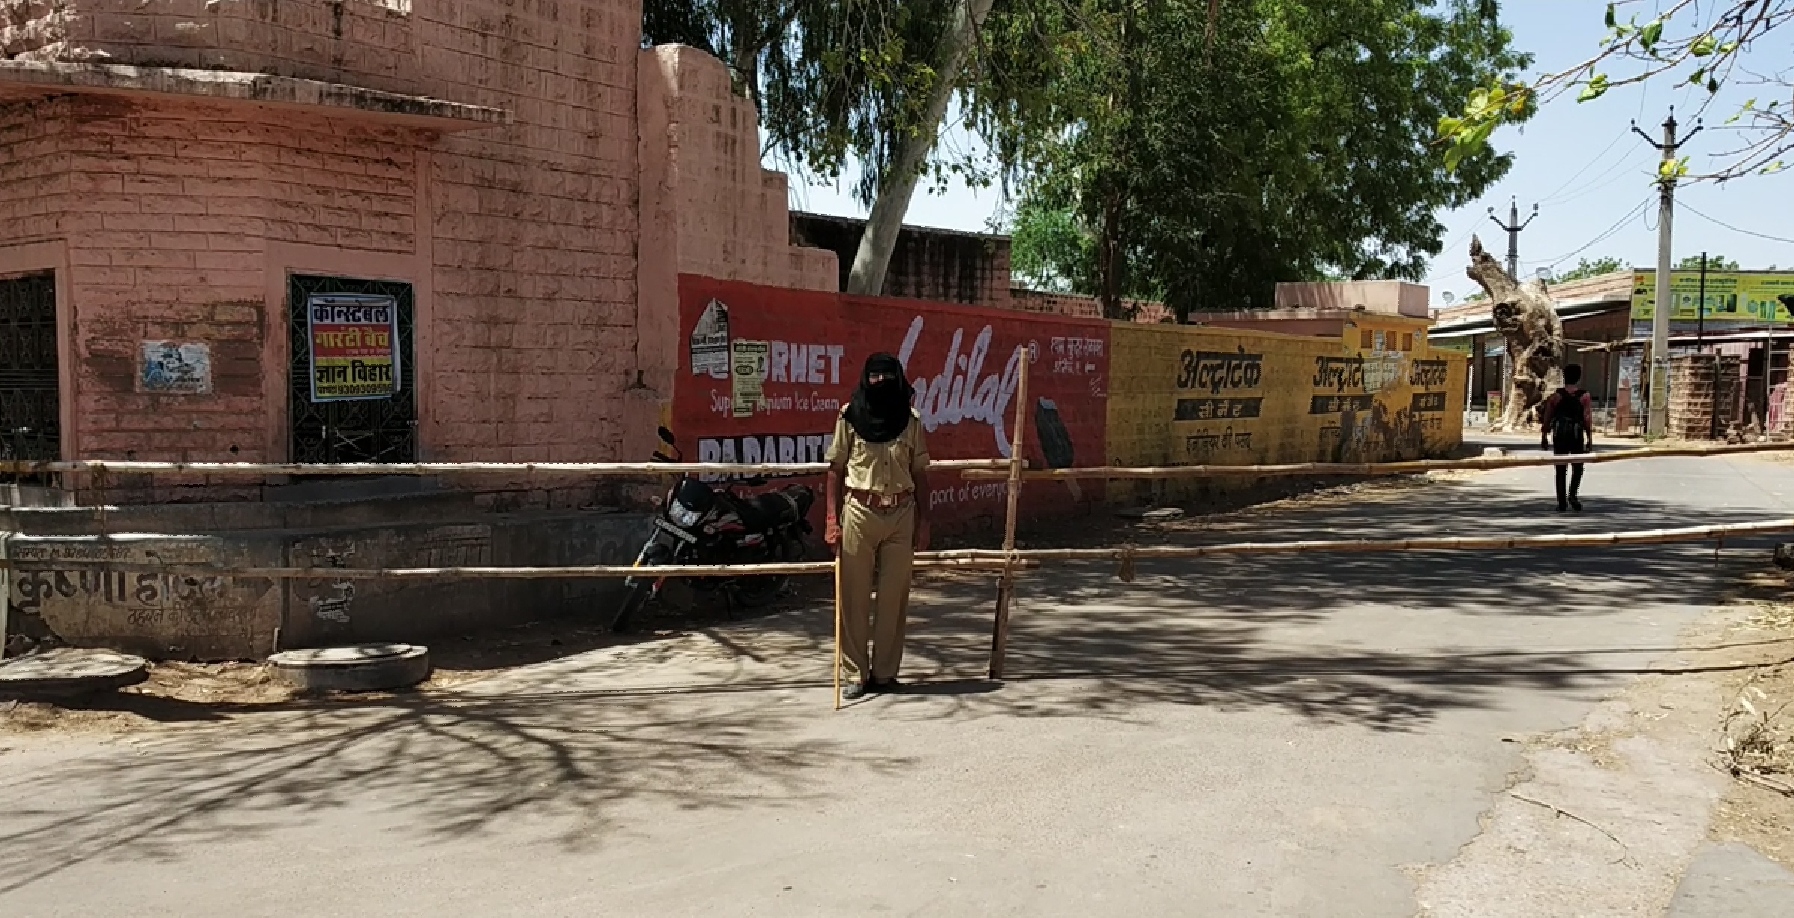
{"points": [[1217, 632], [560, 765]]}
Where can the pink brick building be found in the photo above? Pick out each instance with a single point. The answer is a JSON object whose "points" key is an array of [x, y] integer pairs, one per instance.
{"points": [[179, 178]]}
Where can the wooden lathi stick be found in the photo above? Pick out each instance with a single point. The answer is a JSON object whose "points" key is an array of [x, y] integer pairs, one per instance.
{"points": [[837, 631], [999, 632]]}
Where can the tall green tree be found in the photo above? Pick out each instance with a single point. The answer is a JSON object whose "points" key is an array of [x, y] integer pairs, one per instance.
{"points": [[1293, 145], [1714, 263], [871, 82], [1592, 267]]}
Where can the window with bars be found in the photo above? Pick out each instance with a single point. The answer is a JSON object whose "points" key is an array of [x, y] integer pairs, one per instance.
{"points": [[30, 384], [360, 430]]}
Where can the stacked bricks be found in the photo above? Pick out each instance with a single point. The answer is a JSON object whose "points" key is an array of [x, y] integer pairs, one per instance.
{"points": [[1691, 391], [1728, 392]]}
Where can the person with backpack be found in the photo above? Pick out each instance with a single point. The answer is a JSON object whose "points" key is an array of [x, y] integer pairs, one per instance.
{"points": [[1568, 429]]}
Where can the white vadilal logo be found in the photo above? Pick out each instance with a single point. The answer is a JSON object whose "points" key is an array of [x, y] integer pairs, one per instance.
{"points": [[958, 393]]}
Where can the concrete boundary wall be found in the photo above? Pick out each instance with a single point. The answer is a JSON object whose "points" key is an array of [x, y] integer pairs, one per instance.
{"points": [[1181, 395]]}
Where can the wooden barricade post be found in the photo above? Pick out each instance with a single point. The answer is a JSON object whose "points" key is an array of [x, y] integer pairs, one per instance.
{"points": [[999, 632]]}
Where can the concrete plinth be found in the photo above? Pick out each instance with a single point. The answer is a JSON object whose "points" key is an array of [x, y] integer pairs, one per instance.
{"points": [[362, 668], [69, 671]]}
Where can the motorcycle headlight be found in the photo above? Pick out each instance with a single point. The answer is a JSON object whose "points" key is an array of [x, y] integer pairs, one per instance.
{"points": [[683, 516]]}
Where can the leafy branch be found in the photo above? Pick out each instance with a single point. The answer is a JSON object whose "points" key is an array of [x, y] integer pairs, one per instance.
{"points": [[1688, 42]]}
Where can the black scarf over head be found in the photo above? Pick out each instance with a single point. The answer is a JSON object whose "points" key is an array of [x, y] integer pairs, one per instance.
{"points": [[880, 414]]}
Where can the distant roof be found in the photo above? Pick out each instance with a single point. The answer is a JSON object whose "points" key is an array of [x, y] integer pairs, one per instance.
{"points": [[909, 227], [1484, 323]]}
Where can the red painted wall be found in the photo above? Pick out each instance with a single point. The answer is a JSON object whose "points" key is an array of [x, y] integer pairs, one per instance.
{"points": [[814, 346]]}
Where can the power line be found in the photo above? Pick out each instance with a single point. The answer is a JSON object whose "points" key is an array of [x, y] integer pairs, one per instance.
{"points": [[1605, 235], [1585, 167], [1734, 228]]}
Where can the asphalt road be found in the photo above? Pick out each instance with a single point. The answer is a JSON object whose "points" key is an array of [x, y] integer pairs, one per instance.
{"points": [[1304, 735]]}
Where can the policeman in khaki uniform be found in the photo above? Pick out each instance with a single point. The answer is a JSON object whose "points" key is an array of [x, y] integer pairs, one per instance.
{"points": [[877, 515]]}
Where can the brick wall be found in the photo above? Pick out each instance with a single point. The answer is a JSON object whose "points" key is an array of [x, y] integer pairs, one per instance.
{"points": [[37, 30], [535, 230], [369, 43], [1146, 312], [528, 245], [731, 217], [167, 215], [35, 183]]}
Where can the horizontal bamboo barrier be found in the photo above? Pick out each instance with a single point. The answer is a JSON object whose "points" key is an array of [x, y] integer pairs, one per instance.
{"points": [[1370, 469], [961, 559], [1443, 543], [600, 469], [924, 561]]}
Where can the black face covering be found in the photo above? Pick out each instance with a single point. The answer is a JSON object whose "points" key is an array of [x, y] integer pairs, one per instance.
{"points": [[880, 414]]}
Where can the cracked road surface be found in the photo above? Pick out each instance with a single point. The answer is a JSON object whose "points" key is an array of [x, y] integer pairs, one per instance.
{"points": [[1307, 735]]}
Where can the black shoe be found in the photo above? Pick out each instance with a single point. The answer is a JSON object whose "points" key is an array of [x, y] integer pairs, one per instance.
{"points": [[887, 687], [853, 691], [1575, 505], [1561, 506]]}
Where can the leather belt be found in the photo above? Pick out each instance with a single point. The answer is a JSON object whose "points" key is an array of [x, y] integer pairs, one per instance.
{"points": [[883, 503]]}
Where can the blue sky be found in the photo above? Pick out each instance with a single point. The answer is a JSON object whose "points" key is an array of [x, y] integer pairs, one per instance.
{"points": [[1579, 162]]}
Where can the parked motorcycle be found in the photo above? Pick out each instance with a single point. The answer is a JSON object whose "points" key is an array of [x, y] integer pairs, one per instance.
{"points": [[701, 524]]}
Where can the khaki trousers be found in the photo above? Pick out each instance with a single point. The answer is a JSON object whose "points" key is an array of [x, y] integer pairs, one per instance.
{"points": [[882, 542]]}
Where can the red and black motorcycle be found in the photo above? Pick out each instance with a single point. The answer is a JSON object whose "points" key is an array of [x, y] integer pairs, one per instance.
{"points": [[701, 524]]}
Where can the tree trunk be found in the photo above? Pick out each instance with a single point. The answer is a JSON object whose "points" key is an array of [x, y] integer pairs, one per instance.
{"points": [[1535, 337], [1110, 262], [873, 259]]}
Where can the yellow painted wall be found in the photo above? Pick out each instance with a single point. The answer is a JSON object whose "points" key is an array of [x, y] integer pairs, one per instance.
{"points": [[1181, 395]]}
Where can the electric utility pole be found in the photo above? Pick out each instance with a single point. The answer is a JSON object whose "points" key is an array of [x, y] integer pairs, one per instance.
{"points": [[1512, 227], [1657, 418]]}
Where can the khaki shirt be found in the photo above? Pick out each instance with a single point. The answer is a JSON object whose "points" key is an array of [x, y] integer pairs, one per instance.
{"points": [[884, 468]]}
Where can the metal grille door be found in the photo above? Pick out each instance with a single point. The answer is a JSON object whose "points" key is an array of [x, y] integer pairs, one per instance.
{"points": [[369, 430], [30, 396]]}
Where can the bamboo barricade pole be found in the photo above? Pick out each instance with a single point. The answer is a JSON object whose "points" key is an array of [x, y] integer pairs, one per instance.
{"points": [[201, 569], [1371, 469], [600, 469], [999, 631], [1439, 543], [961, 559]]}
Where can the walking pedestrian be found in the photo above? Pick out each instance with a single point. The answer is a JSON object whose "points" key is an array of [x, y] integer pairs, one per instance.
{"points": [[878, 518], [1567, 428]]}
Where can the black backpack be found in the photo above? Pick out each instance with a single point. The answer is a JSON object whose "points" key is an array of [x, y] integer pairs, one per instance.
{"points": [[1567, 428]]}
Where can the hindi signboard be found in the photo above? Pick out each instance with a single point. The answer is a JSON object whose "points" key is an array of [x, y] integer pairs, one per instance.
{"points": [[1743, 297], [354, 346]]}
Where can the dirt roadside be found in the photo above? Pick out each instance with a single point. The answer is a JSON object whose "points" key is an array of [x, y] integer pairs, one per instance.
{"points": [[1755, 741]]}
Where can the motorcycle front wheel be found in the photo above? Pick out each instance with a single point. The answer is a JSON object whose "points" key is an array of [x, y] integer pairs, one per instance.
{"points": [[753, 592]]}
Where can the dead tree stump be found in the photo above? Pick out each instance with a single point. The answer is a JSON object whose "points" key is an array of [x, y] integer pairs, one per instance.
{"points": [[1535, 337]]}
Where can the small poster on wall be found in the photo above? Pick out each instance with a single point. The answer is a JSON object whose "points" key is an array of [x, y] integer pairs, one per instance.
{"points": [[175, 367], [354, 346], [750, 375], [710, 342]]}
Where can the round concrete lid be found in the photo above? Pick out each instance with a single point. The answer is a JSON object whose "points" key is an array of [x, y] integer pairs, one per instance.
{"points": [[354, 655], [70, 663]]}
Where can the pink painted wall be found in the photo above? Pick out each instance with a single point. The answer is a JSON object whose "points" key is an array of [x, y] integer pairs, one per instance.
{"points": [[544, 254]]}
